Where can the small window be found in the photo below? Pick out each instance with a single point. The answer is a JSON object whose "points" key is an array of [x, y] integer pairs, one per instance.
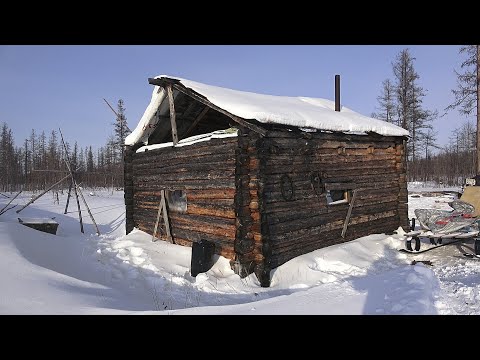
{"points": [[177, 201], [335, 197]]}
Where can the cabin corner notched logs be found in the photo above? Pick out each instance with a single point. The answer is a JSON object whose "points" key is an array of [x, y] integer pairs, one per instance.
{"points": [[262, 199]]}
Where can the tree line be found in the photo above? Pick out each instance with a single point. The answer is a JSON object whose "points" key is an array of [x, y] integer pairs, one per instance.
{"points": [[401, 103], [41, 160]]}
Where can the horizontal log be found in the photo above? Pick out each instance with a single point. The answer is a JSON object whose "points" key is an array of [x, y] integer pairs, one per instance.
{"points": [[387, 177], [298, 235], [200, 220], [327, 159], [193, 195], [329, 141], [335, 175], [304, 190], [203, 221], [354, 231], [334, 136], [359, 215], [192, 235], [204, 184], [211, 210], [298, 211], [330, 169], [184, 163], [222, 211], [195, 235], [191, 225], [155, 200], [200, 167], [351, 147], [308, 198], [313, 203], [348, 154], [199, 175], [318, 206]]}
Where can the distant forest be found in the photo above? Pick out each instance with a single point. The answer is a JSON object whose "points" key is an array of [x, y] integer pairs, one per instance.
{"points": [[401, 103], [41, 160]]}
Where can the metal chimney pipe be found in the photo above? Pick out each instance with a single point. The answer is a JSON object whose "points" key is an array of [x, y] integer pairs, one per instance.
{"points": [[337, 92]]}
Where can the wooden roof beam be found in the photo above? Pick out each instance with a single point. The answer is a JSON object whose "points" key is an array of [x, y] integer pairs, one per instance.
{"points": [[173, 122], [178, 86], [197, 120]]}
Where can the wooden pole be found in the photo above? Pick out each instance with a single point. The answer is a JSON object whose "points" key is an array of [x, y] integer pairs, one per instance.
{"points": [[10, 208], [173, 122], [43, 193], [89, 212], [10, 201], [76, 187], [78, 206], [68, 196], [160, 208], [349, 213], [165, 218], [110, 107], [197, 120]]}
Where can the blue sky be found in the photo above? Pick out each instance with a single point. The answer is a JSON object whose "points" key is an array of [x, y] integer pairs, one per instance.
{"points": [[47, 87]]}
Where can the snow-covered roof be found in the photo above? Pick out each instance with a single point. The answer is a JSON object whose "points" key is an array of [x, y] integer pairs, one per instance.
{"points": [[302, 112]]}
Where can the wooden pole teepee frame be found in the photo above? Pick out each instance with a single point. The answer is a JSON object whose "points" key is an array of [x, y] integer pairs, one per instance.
{"points": [[162, 208], [74, 184]]}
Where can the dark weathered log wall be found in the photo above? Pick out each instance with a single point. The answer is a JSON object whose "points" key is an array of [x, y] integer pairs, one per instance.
{"points": [[372, 164], [248, 236], [234, 193], [128, 188], [206, 171]]}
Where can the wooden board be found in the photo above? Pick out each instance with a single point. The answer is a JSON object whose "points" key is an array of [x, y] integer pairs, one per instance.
{"points": [[471, 195]]}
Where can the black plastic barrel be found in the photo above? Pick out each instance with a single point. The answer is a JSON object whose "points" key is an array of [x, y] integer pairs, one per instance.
{"points": [[202, 257]]}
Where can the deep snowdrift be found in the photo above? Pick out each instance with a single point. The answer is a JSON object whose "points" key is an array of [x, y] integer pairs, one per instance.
{"points": [[72, 273]]}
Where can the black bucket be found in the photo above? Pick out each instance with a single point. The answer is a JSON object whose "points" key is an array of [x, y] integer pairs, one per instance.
{"points": [[202, 257]]}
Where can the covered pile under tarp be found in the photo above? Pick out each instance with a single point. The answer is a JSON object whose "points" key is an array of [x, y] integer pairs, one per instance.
{"points": [[442, 221]]}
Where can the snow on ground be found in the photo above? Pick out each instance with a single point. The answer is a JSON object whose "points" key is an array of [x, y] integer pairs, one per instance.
{"points": [[75, 273]]}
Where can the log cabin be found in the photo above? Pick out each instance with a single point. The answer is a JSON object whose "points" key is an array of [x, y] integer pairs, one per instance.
{"points": [[265, 178]]}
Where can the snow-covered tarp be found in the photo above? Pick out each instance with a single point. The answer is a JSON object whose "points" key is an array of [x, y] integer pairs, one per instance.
{"points": [[302, 112], [445, 222]]}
